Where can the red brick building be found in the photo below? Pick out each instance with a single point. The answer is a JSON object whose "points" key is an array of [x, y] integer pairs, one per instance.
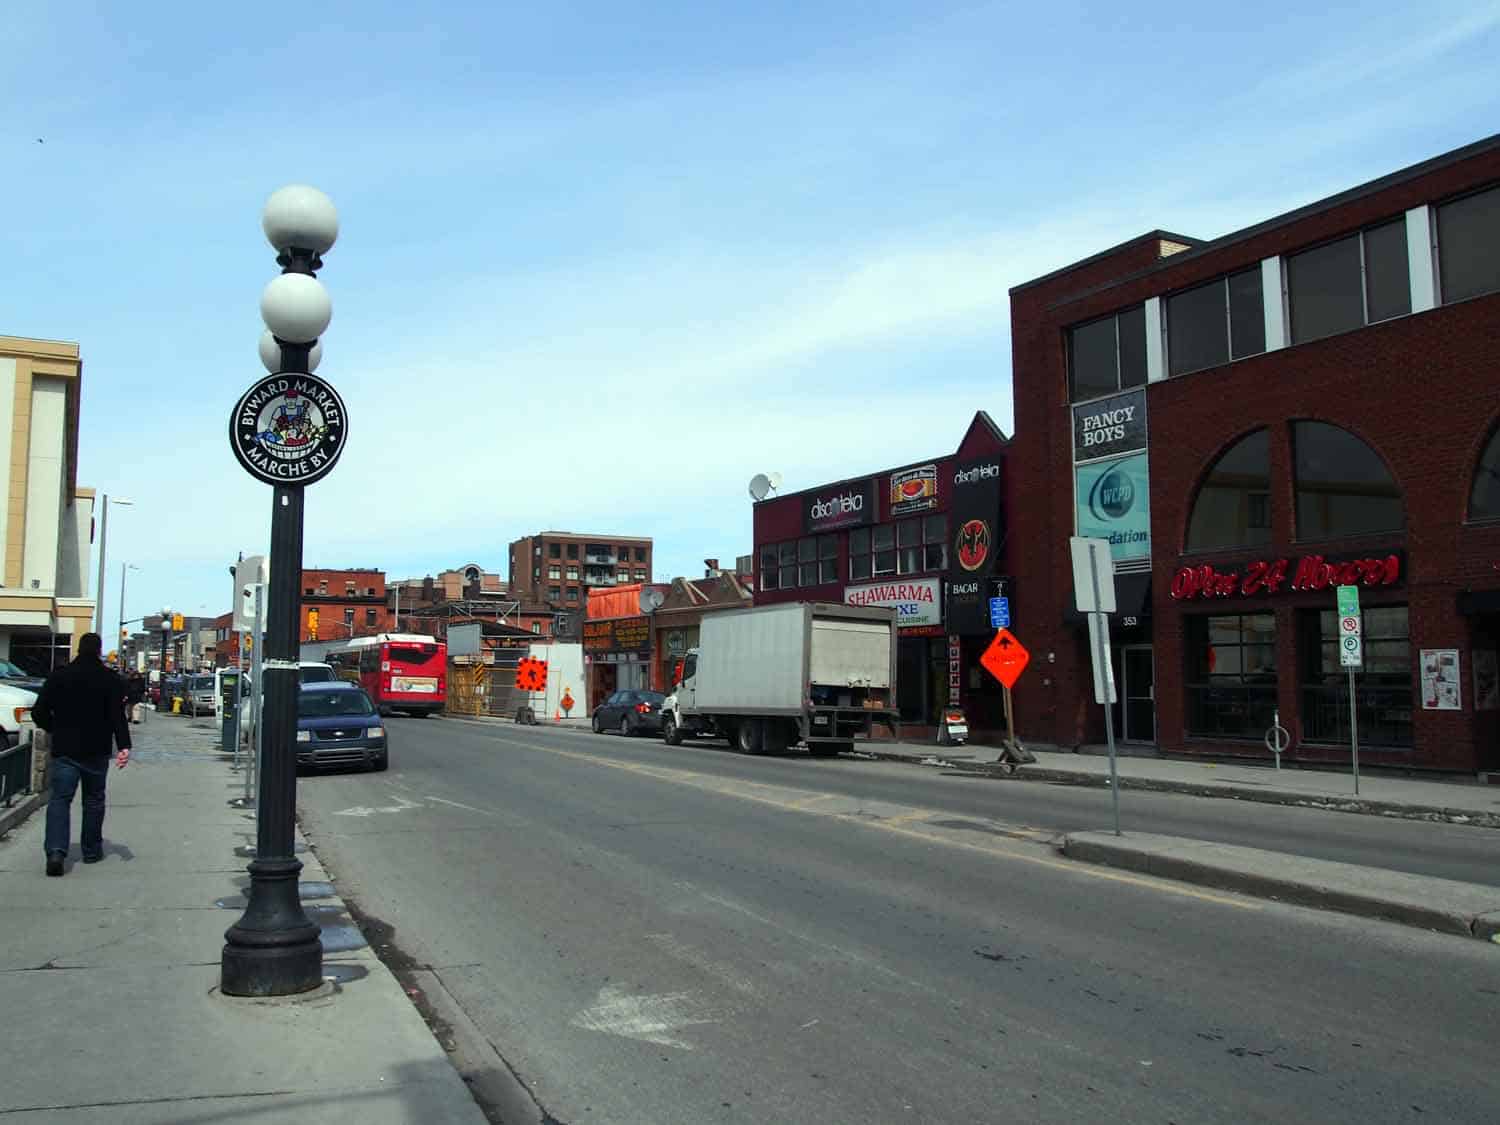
{"points": [[1252, 421], [927, 538], [339, 604]]}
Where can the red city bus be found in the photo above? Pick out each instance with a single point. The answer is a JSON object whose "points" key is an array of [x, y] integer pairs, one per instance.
{"points": [[400, 671]]}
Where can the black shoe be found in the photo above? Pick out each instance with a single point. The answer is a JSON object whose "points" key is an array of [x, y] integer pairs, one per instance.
{"points": [[92, 858], [55, 862]]}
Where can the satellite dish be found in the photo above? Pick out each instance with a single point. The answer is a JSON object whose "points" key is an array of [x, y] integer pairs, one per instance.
{"points": [[651, 600], [760, 486], [775, 479]]}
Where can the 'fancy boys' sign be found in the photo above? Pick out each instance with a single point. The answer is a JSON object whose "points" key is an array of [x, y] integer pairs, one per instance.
{"points": [[847, 505], [915, 600], [1110, 426]]}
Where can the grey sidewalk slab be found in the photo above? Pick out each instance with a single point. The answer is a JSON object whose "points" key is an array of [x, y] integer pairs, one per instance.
{"points": [[1436, 904], [1455, 801], [128, 951]]}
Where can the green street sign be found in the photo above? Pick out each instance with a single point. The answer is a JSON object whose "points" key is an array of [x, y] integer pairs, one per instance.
{"points": [[1348, 601]]}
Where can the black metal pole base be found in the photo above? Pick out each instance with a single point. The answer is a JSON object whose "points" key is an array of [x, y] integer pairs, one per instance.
{"points": [[274, 949]]}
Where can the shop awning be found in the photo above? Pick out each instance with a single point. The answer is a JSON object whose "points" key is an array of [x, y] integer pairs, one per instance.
{"points": [[1471, 603], [1132, 598]]}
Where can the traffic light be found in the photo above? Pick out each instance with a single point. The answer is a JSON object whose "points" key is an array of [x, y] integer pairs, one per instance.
{"points": [[312, 622], [176, 622]]}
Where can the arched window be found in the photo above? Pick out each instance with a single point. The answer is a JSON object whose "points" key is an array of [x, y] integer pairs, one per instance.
{"points": [[1484, 498], [1233, 507], [472, 574], [1343, 487]]}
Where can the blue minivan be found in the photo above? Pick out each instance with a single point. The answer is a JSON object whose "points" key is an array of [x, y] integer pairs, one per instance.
{"points": [[337, 725]]}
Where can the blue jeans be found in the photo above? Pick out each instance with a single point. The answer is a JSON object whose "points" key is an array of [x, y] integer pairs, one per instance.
{"points": [[66, 774]]}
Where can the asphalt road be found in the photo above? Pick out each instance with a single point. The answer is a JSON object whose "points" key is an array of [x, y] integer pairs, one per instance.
{"points": [[656, 935]]}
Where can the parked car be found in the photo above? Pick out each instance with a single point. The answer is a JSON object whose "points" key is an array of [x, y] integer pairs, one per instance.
{"points": [[337, 725], [15, 713], [198, 695], [17, 676], [630, 712]]}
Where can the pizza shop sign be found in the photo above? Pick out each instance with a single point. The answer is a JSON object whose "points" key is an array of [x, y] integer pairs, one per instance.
{"points": [[1275, 576]]}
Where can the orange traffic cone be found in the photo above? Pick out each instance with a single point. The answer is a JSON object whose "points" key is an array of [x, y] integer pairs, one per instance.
{"points": [[557, 717]]}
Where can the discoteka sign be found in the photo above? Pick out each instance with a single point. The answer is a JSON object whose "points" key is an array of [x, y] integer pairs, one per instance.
{"points": [[288, 429], [849, 505]]}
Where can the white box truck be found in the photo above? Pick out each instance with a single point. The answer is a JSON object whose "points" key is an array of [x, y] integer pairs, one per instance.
{"points": [[770, 677]]}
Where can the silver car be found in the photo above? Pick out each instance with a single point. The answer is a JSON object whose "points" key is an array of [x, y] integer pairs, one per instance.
{"points": [[198, 695]]}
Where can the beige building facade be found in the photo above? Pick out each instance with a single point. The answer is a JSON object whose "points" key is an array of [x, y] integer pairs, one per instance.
{"points": [[46, 523]]}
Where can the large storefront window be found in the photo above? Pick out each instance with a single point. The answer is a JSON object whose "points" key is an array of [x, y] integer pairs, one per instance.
{"points": [[1343, 487], [1233, 508], [1231, 673], [1382, 688]]}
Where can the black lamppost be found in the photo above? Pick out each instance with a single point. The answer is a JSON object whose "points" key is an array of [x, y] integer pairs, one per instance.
{"points": [[288, 431]]}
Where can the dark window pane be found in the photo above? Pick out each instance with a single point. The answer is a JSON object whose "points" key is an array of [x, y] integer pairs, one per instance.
{"points": [[828, 570], [828, 547], [936, 556], [788, 577], [1197, 329], [1343, 487], [1469, 245], [885, 562], [1383, 689], [859, 541], [908, 560], [935, 529], [1231, 673], [767, 557], [1233, 502], [1324, 285], [807, 550], [859, 567], [808, 574], [1093, 369], [1484, 500], [1387, 281], [788, 553], [884, 536], [1247, 314], [1133, 347], [908, 532]]}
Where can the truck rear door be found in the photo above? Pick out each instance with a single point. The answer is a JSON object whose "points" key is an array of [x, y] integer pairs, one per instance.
{"points": [[850, 653]]}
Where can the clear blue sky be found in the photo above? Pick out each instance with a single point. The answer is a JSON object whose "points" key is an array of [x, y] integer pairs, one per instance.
{"points": [[601, 262]]}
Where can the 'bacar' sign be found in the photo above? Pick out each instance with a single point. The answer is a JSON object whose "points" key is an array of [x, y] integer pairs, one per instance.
{"points": [[288, 429]]}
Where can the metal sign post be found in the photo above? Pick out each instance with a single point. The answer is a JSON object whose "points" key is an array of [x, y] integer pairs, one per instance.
{"points": [[252, 770], [1351, 656], [1278, 738], [1097, 599]]}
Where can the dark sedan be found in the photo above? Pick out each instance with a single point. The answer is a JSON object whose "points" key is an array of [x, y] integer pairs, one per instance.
{"points": [[630, 712], [337, 725]]}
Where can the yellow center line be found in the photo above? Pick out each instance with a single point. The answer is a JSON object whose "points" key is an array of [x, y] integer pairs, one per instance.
{"points": [[896, 825]]}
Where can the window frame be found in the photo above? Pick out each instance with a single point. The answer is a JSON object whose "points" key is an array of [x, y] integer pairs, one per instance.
{"points": [[1437, 244], [1364, 282], [1491, 446], [1253, 498], [1301, 535], [1258, 699], [1119, 382]]}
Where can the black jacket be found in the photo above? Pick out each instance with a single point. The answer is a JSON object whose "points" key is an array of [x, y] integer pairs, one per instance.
{"points": [[82, 706]]}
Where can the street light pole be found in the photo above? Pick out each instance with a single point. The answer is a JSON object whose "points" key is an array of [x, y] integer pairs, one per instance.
{"points": [[287, 431], [103, 543], [124, 566], [166, 645]]}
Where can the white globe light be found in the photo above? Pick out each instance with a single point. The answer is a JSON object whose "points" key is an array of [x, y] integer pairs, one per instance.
{"points": [[300, 216], [296, 307], [270, 353]]}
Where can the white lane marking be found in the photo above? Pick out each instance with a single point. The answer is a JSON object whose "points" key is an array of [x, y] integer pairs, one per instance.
{"points": [[459, 805], [402, 805], [808, 1024], [703, 963], [651, 1018]]}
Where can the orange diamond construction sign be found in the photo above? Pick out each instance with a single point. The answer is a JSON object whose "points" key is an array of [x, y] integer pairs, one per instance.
{"points": [[1005, 658]]}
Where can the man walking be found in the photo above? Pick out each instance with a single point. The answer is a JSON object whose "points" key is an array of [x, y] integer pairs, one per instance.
{"points": [[82, 708]]}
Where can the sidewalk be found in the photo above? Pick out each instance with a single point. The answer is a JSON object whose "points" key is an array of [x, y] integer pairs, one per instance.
{"points": [[1456, 802], [109, 976]]}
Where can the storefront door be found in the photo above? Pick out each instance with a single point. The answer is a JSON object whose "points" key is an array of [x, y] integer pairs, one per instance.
{"points": [[1138, 693]]}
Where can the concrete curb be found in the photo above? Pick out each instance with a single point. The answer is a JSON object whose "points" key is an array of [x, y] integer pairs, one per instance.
{"points": [[1358, 805], [16, 815], [1445, 905]]}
